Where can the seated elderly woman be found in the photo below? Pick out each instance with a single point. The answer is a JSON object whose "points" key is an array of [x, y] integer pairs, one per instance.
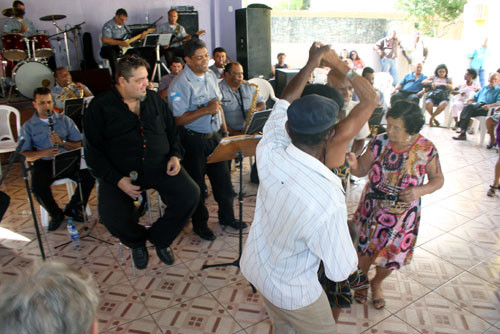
{"points": [[494, 187], [388, 214], [438, 95], [464, 92]]}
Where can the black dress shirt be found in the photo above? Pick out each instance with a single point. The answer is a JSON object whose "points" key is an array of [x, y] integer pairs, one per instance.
{"points": [[117, 141]]}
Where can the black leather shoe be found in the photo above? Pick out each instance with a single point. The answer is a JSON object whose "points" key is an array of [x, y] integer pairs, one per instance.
{"points": [[234, 224], [205, 233], [74, 213], [55, 223], [166, 255], [140, 257]]}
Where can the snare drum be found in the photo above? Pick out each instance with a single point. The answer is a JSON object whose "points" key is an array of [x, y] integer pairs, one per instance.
{"points": [[14, 47], [42, 46]]}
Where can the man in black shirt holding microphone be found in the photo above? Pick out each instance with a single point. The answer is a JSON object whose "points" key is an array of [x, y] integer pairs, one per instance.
{"points": [[130, 129]]}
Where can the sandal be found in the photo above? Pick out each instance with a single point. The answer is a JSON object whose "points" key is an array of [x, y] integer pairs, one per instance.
{"points": [[379, 304], [491, 191], [436, 122], [361, 298]]}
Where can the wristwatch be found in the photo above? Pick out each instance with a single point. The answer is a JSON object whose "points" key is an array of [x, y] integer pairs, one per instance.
{"points": [[351, 75], [63, 143]]}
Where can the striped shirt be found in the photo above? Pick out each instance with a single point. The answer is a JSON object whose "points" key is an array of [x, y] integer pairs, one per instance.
{"points": [[300, 219]]}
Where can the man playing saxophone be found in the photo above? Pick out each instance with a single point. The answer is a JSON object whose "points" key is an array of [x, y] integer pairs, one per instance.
{"points": [[239, 98], [65, 88]]}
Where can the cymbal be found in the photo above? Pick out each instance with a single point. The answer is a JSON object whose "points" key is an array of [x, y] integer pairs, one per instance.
{"points": [[53, 17], [9, 12]]}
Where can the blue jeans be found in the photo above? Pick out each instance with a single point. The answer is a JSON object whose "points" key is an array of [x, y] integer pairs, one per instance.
{"points": [[390, 65], [480, 73]]}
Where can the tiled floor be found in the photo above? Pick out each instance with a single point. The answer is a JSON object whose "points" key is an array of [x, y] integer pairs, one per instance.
{"points": [[451, 286]]}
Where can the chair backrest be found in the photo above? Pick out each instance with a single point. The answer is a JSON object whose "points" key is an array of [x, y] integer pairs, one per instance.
{"points": [[5, 128], [265, 88]]}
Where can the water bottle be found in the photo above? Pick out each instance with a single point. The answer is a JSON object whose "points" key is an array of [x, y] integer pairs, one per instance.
{"points": [[73, 234]]}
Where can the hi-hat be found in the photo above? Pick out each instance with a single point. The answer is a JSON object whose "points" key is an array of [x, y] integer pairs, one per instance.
{"points": [[9, 12], [54, 17]]}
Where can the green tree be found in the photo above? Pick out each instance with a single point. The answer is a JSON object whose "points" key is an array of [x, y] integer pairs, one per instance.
{"points": [[429, 14]]}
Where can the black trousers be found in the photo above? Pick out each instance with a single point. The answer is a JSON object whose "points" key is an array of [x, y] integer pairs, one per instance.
{"points": [[197, 151], [42, 179], [402, 95], [469, 111], [119, 214]]}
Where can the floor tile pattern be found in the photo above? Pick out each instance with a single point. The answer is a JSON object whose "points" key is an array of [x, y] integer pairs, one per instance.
{"points": [[452, 284]]}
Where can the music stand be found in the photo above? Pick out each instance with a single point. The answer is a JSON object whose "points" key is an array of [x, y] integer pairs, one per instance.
{"points": [[22, 160], [156, 40], [237, 148], [257, 121], [73, 108], [65, 164]]}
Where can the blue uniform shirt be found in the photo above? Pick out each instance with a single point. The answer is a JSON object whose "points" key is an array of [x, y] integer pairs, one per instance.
{"points": [[14, 25], [231, 103], [410, 84], [114, 31], [166, 28], [488, 95], [189, 92], [36, 133]]}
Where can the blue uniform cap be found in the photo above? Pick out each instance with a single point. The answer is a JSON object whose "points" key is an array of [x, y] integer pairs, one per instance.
{"points": [[312, 114]]}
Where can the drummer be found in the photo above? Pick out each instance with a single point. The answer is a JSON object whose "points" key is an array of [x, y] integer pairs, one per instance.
{"points": [[18, 23], [65, 88]]}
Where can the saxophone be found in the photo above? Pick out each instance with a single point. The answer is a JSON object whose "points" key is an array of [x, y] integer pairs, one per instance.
{"points": [[253, 105]]}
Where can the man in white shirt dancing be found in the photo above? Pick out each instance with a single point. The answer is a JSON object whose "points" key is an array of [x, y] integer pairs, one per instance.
{"points": [[301, 216]]}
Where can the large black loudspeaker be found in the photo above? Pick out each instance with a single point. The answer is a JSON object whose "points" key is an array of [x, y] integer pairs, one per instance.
{"points": [[189, 20], [253, 41]]}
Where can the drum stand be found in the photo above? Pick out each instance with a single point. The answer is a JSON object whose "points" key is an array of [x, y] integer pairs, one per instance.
{"points": [[65, 34], [158, 65]]}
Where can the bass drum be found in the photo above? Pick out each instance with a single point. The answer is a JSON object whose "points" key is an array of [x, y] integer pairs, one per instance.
{"points": [[29, 75]]}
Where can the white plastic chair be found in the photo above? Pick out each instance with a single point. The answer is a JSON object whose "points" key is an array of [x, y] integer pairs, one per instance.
{"points": [[479, 125], [446, 112], [69, 186], [383, 82], [265, 89], [7, 142]]}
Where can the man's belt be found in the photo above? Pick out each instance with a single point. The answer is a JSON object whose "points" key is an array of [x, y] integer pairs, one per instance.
{"points": [[200, 134]]}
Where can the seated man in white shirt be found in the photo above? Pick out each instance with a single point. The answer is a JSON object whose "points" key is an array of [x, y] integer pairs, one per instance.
{"points": [[301, 216]]}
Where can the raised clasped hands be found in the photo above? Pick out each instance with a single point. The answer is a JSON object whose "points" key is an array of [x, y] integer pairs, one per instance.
{"points": [[317, 53]]}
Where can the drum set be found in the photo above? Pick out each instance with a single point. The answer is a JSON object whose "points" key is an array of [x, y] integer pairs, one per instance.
{"points": [[24, 59]]}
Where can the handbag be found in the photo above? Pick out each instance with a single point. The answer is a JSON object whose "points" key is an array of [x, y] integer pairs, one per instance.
{"points": [[438, 94]]}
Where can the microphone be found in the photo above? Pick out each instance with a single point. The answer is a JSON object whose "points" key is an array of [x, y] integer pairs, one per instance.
{"points": [[20, 143], [133, 177]]}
